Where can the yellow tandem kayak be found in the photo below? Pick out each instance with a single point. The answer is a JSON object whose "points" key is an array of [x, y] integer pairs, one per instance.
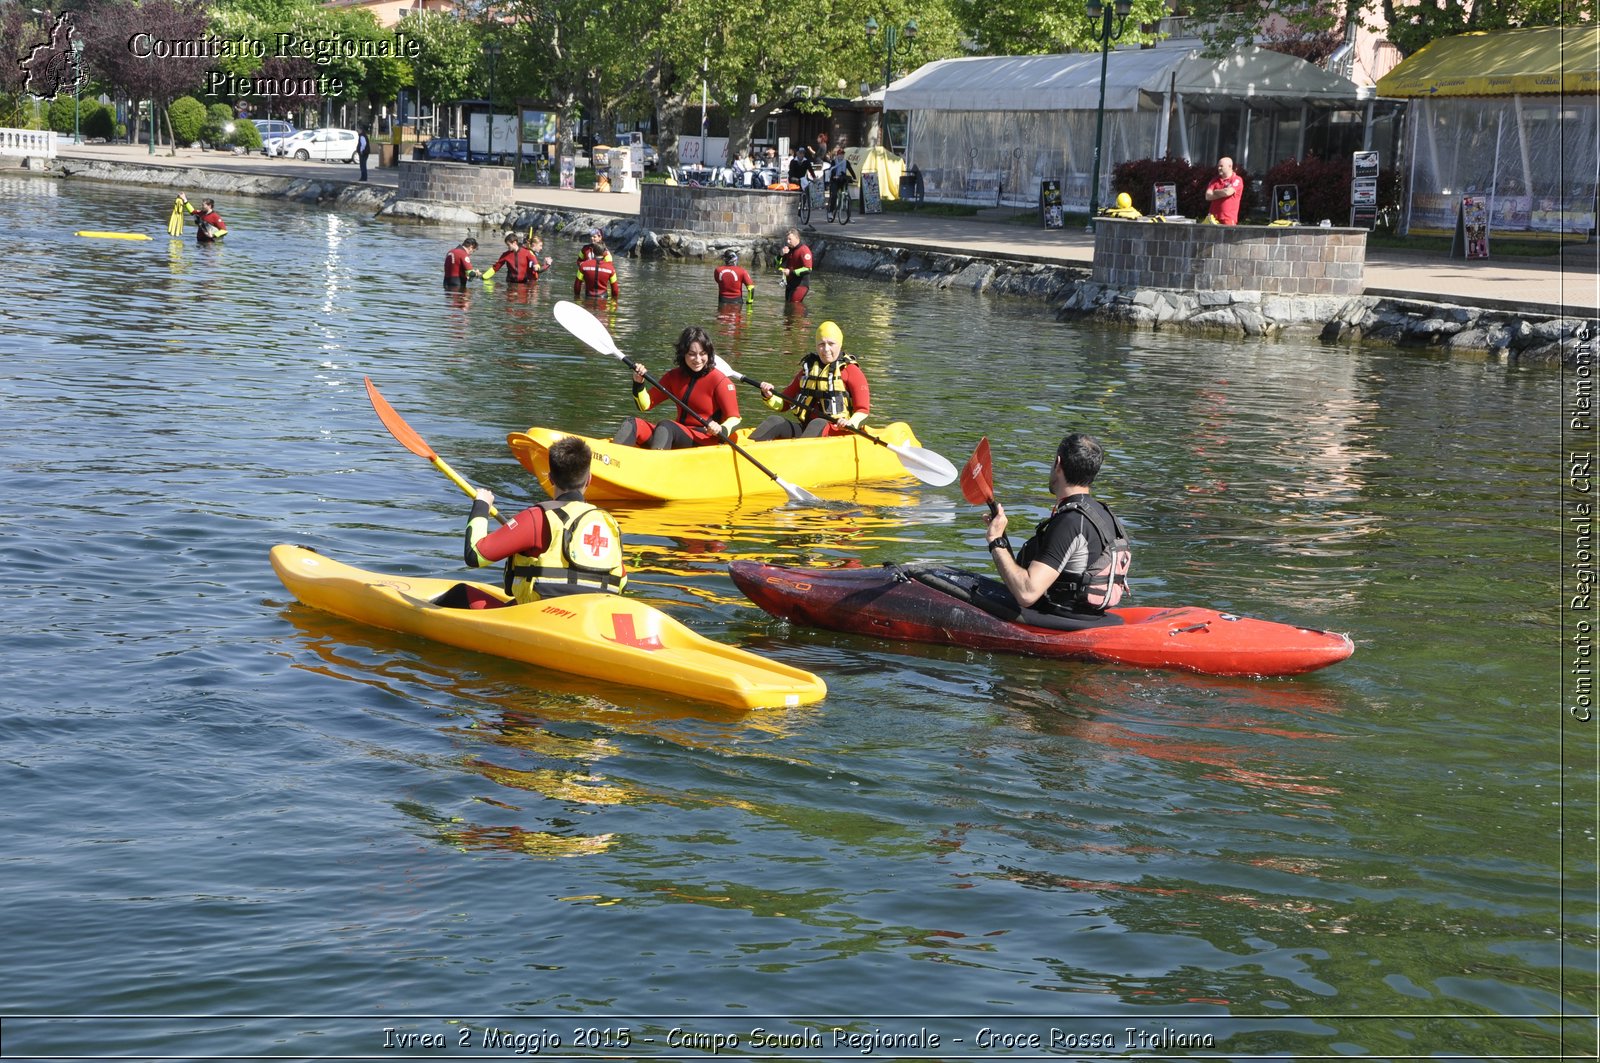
{"points": [[624, 472], [603, 636]]}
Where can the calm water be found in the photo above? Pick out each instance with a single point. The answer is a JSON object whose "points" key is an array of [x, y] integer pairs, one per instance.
{"points": [[221, 803]]}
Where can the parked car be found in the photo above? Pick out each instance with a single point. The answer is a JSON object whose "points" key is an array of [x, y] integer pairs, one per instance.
{"points": [[335, 145], [272, 130], [448, 149]]}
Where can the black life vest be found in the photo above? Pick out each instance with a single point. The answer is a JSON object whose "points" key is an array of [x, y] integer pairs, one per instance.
{"points": [[1104, 580]]}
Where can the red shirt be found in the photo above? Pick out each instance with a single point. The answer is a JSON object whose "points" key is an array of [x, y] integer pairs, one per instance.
{"points": [[526, 533], [1226, 211], [797, 258], [522, 264], [596, 277], [710, 394], [732, 281], [457, 264]]}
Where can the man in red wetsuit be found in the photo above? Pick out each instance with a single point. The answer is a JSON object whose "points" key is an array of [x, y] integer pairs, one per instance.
{"points": [[458, 264], [697, 382], [520, 264], [563, 546], [733, 280], [1225, 193], [796, 267], [596, 277], [208, 224]]}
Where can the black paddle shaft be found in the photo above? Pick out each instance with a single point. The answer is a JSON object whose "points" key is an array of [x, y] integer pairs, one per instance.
{"points": [[653, 382]]}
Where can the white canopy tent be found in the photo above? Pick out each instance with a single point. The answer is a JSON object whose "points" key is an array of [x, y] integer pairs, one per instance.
{"points": [[990, 128]]}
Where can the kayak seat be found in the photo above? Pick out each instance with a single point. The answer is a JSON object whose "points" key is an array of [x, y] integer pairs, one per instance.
{"points": [[466, 596], [991, 596]]}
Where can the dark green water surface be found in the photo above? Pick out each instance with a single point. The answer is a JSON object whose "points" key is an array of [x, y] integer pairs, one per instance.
{"points": [[221, 803]]}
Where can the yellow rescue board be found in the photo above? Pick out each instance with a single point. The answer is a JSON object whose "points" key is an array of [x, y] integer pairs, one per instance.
{"points": [[97, 235], [602, 636]]}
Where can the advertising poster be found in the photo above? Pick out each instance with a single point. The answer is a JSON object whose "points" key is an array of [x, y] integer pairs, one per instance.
{"points": [[1050, 211], [1166, 200], [1364, 189], [1286, 203], [871, 199], [1474, 225]]}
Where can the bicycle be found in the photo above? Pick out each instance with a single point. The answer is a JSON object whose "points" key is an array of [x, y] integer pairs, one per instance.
{"points": [[841, 205]]}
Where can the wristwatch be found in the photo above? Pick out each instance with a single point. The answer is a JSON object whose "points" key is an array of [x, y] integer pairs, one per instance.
{"points": [[1001, 543]]}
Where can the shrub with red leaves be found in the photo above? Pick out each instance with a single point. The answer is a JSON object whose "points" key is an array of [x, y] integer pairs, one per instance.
{"points": [[1325, 187], [1138, 178]]}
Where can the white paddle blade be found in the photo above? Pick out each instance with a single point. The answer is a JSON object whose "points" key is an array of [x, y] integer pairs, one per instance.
{"points": [[586, 327], [795, 493], [925, 465], [728, 371]]}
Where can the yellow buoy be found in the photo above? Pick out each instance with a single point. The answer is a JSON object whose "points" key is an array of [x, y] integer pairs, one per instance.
{"points": [[110, 236]]}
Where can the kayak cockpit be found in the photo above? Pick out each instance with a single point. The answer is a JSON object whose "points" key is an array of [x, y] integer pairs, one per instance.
{"points": [[466, 596]]}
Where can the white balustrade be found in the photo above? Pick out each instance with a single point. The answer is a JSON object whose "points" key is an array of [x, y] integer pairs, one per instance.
{"points": [[34, 143]]}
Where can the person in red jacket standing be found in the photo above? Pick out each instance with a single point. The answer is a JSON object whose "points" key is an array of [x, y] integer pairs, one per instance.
{"points": [[698, 384], [458, 264], [596, 277], [1225, 194], [796, 267], [733, 280], [520, 264]]}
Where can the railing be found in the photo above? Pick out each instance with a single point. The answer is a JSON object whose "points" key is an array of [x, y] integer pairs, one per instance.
{"points": [[37, 143]]}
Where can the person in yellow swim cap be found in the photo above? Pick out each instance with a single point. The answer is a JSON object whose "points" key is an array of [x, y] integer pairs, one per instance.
{"points": [[829, 393]]}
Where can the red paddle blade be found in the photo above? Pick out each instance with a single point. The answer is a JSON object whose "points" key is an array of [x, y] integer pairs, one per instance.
{"points": [[977, 478], [396, 424]]}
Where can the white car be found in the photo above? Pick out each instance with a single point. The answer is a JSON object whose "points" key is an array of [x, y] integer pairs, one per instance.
{"points": [[337, 145]]}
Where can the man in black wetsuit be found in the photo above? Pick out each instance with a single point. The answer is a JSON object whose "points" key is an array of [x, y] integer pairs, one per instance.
{"points": [[1077, 561]]}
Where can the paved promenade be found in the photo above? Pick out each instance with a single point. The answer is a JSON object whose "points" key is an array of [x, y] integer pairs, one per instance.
{"points": [[1567, 284]]}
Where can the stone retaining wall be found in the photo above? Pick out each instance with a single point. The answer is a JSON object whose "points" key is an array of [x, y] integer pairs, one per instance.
{"points": [[1281, 260], [482, 189], [736, 212]]}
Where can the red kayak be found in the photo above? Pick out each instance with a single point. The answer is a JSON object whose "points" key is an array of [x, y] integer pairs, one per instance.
{"points": [[933, 603]]}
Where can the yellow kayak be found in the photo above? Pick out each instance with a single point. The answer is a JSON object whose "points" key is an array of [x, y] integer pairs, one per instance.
{"points": [[98, 235], [603, 636], [624, 472]]}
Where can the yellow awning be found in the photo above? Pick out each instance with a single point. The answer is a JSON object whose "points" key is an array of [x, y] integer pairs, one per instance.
{"points": [[1545, 59]]}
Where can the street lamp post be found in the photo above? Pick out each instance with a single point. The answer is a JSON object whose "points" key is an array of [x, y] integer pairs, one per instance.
{"points": [[493, 51], [892, 36], [77, 79], [1101, 13]]}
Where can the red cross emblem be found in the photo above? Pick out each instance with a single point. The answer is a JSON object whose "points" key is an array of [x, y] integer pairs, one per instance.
{"points": [[596, 540]]}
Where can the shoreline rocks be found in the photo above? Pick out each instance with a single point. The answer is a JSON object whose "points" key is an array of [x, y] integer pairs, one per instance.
{"points": [[1507, 336]]}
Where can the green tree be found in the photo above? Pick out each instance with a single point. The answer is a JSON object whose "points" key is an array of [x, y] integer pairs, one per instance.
{"points": [[1038, 27], [1408, 26], [219, 117], [451, 50], [186, 116]]}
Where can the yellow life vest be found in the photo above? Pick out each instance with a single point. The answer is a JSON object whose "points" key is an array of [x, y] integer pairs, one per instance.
{"points": [[584, 556], [822, 392]]}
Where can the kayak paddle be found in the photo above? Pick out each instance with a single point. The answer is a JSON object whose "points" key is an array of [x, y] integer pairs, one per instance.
{"points": [[588, 330], [409, 439], [977, 478], [925, 465]]}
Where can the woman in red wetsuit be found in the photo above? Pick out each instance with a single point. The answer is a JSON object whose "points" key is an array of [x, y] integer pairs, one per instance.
{"points": [[698, 384]]}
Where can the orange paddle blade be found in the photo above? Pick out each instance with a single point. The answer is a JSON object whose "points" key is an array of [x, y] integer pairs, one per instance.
{"points": [[397, 425], [977, 477]]}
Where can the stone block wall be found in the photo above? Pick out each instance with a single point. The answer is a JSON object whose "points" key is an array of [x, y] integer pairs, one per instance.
{"points": [[484, 189], [1285, 260], [717, 211]]}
